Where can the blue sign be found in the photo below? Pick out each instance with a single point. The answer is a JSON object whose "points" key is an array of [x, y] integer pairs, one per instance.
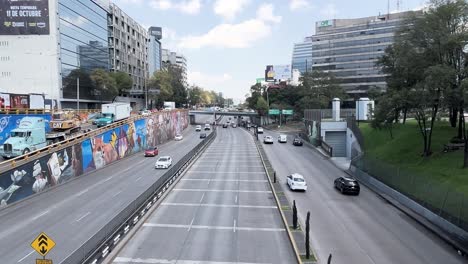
{"points": [[10, 122]]}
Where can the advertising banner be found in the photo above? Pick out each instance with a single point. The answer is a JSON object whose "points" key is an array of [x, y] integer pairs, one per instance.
{"points": [[269, 73], [24, 17], [282, 72], [4, 101], [19, 101], [36, 101]]}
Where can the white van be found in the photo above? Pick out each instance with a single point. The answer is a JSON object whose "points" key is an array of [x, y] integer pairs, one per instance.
{"points": [[282, 139]]}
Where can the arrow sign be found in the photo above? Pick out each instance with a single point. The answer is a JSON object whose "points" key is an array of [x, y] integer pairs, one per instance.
{"points": [[43, 244]]}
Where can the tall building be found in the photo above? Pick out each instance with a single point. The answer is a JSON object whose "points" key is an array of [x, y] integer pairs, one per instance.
{"points": [[128, 51], [154, 49], [302, 55], [42, 54], [350, 49], [174, 58]]}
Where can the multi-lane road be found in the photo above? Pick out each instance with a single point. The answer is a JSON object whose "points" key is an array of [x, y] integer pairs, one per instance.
{"points": [[72, 213], [362, 229], [222, 211]]}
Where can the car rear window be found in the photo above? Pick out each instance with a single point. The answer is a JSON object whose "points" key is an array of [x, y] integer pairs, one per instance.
{"points": [[163, 159], [298, 179]]}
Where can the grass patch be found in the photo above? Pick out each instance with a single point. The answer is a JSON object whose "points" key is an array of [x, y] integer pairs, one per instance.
{"points": [[404, 152], [280, 193], [285, 207], [312, 258]]}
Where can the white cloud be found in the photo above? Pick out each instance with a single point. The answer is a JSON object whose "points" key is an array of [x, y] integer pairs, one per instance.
{"points": [[329, 11], [185, 6], [298, 4], [239, 35], [207, 81], [265, 13], [228, 9]]}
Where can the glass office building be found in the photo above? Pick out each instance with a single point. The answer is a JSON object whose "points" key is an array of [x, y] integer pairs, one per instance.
{"points": [[302, 56], [350, 49], [83, 48], [154, 49]]}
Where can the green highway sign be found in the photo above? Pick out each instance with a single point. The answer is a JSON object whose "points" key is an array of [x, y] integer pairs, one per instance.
{"points": [[274, 112], [287, 112]]}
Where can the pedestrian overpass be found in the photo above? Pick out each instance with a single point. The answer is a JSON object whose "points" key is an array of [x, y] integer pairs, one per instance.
{"points": [[252, 115]]}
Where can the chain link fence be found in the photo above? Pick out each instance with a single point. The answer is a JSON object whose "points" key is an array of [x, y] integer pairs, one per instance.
{"points": [[437, 196]]}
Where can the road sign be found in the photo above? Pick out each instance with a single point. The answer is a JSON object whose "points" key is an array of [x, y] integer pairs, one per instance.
{"points": [[43, 244], [43, 261], [287, 112], [274, 112]]}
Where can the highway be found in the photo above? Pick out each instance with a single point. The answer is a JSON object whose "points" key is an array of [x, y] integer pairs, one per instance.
{"points": [[72, 213], [221, 212], [360, 229]]}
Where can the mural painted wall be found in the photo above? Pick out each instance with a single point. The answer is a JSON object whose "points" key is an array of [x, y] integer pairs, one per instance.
{"points": [[89, 155], [10, 122]]}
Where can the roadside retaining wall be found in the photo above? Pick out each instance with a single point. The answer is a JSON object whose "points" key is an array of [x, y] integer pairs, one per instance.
{"points": [[89, 155]]}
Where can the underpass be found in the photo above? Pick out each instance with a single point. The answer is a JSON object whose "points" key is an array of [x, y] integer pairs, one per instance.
{"points": [[222, 211], [70, 214]]}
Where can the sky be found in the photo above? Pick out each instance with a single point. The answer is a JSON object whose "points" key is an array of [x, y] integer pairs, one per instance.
{"points": [[228, 43]]}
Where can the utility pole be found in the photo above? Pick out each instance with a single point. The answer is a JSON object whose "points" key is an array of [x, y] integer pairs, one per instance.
{"points": [[78, 94]]}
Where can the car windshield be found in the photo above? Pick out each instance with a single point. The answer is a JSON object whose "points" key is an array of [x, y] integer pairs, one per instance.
{"points": [[298, 180], [163, 159]]}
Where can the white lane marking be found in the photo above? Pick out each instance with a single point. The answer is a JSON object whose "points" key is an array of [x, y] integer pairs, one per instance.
{"points": [[26, 256], [117, 193], [173, 261], [234, 226], [191, 223], [201, 199], [221, 205], [127, 169], [224, 172], [209, 180], [209, 190], [139, 178], [141, 161], [222, 180], [37, 216], [267, 229], [108, 179], [82, 192], [236, 198], [81, 218]]}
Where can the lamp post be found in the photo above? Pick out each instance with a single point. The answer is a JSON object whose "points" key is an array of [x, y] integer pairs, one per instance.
{"points": [[78, 94]]}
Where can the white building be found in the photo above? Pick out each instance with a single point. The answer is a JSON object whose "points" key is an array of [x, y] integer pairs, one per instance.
{"points": [[41, 49], [173, 58]]}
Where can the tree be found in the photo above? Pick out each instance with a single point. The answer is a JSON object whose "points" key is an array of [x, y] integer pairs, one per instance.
{"points": [[161, 80], [180, 94], [195, 95], [123, 81], [105, 86], [261, 106]]}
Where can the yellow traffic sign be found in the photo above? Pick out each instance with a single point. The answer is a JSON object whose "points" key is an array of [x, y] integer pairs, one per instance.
{"points": [[43, 261], [42, 244]]}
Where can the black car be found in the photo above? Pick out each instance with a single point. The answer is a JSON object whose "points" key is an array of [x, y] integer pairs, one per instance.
{"points": [[347, 185], [203, 135], [297, 142], [225, 125]]}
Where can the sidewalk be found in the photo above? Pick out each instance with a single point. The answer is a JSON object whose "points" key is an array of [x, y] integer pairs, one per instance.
{"points": [[342, 163]]}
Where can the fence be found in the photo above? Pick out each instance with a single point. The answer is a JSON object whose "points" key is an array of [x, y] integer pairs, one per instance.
{"points": [[96, 248], [320, 114], [352, 125], [438, 197]]}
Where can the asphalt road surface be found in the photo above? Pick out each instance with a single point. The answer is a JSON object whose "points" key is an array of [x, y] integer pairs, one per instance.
{"points": [[72, 213], [221, 212], [360, 229]]}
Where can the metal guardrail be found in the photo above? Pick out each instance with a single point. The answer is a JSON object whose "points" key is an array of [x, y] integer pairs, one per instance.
{"points": [[20, 160], [97, 247]]}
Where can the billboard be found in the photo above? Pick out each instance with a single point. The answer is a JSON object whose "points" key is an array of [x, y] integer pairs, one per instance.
{"points": [[277, 73], [24, 17], [19, 101], [4, 101], [325, 23]]}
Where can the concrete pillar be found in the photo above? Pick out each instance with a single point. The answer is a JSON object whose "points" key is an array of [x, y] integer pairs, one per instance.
{"points": [[336, 109]]}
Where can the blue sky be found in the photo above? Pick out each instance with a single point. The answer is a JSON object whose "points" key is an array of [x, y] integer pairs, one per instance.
{"points": [[228, 43]]}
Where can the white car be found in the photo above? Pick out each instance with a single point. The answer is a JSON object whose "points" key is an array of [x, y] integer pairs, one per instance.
{"points": [[207, 127], [178, 137], [268, 140], [283, 139], [295, 181], [259, 130], [163, 162], [198, 128], [145, 113]]}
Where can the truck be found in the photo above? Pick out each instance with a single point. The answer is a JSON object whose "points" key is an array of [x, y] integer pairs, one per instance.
{"points": [[28, 136], [113, 112], [169, 105], [65, 123]]}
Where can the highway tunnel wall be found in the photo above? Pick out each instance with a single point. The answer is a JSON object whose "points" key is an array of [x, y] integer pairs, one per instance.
{"points": [[89, 155]]}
